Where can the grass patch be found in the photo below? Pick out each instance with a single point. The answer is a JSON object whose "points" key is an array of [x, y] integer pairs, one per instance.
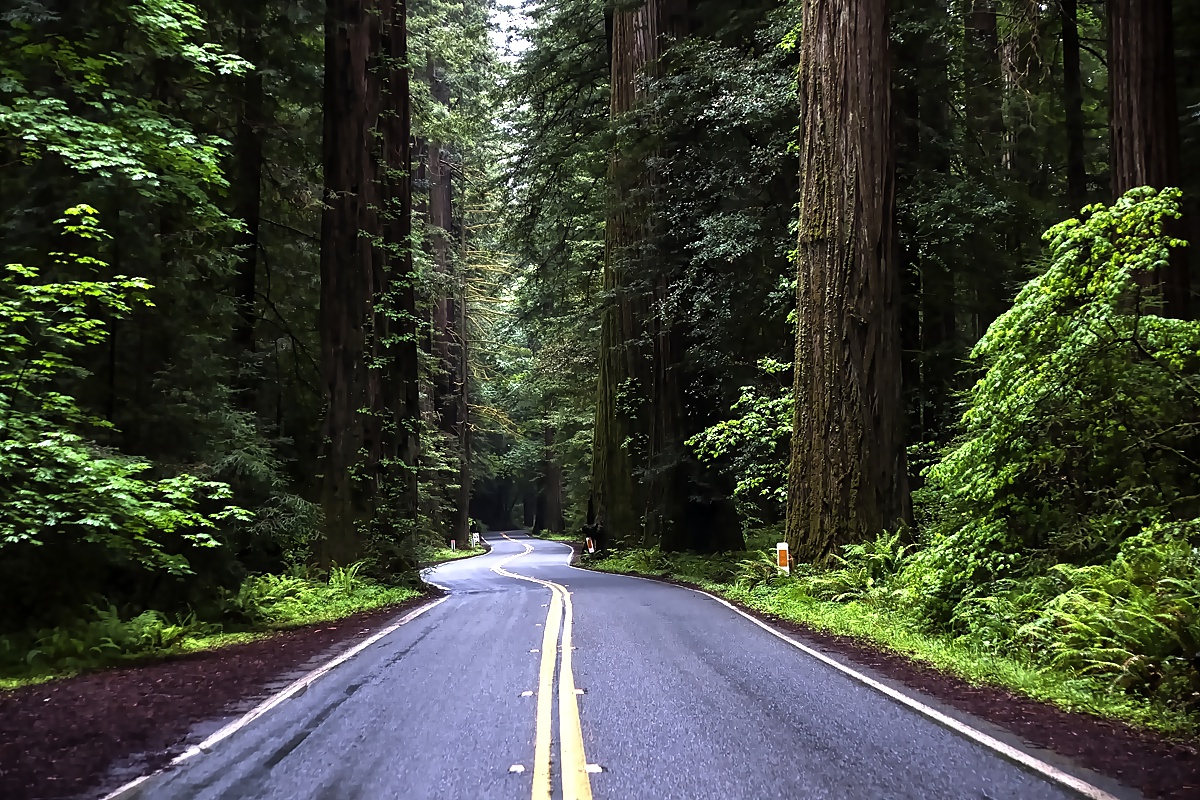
{"points": [[440, 555], [263, 605], [566, 538], [751, 580]]}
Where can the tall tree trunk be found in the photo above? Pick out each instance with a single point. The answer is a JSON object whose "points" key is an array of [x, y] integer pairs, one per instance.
{"points": [[396, 299], [1144, 122], [621, 438], [447, 337], [848, 476], [639, 479], [1073, 105], [923, 78], [984, 83], [550, 506], [986, 146], [248, 157], [348, 268], [463, 522]]}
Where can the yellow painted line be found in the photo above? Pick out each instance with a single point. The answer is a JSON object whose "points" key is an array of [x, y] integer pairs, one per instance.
{"points": [[576, 782]]}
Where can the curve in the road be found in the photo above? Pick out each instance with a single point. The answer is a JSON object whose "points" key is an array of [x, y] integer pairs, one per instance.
{"points": [[684, 701]]}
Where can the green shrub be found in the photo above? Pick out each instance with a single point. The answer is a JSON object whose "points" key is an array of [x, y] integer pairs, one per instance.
{"points": [[102, 640], [861, 570], [752, 447], [1085, 428], [74, 516], [1135, 619]]}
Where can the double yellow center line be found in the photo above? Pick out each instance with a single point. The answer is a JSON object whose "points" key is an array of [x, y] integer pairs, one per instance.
{"points": [[576, 784]]}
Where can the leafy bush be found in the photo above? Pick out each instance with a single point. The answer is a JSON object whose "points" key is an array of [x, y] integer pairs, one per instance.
{"points": [[69, 509], [757, 571], [103, 638], [861, 570], [753, 447], [1085, 428], [1063, 523], [295, 599], [1135, 619]]}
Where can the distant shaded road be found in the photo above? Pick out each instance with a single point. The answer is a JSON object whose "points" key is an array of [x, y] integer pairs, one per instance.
{"points": [[678, 697]]}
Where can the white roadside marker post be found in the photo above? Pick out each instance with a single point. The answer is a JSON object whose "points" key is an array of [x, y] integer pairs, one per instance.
{"points": [[783, 559], [591, 546], [453, 545]]}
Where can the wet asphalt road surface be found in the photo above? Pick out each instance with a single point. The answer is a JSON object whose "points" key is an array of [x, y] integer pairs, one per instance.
{"points": [[680, 697]]}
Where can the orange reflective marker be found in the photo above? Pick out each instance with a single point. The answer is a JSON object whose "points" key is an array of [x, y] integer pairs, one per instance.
{"points": [[591, 546], [783, 559]]}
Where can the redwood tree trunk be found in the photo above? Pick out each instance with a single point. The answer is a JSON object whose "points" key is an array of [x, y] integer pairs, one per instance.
{"points": [[550, 504], [621, 441], [346, 275], [463, 516], [639, 480], [248, 158], [1073, 105], [847, 479], [1144, 122], [985, 146], [447, 339]]}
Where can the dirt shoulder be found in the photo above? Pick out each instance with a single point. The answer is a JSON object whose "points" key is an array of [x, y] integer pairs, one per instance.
{"points": [[82, 736]]}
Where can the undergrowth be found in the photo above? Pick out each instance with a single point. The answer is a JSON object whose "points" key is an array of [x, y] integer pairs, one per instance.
{"points": [[437, 555], [262, 604], [566, 537], [1056, 546]]}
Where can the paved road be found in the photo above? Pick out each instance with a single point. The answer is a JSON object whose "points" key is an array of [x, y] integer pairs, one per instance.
{"points": [[678, 697]]}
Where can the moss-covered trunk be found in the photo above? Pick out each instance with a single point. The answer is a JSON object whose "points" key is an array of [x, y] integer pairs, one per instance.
{"points": [[621, 443], [847, 478]]}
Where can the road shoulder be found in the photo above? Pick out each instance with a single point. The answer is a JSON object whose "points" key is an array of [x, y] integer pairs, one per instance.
{"points": [[1151, 763], [82, 735]]}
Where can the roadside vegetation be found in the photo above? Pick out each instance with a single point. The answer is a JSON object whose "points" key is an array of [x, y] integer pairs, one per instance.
{"points": [[442, 553], [169, 473], [104, 637], [1056, 549]]}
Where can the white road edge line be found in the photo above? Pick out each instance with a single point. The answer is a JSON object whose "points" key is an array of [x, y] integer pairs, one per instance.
{"points": [[1020, 757], [297, 686], [425, 572]]}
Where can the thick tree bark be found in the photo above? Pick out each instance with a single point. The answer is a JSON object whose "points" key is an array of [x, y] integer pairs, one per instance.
{"points": [[447, 334], [640, 480], [984, 81], [621, 438], [1073, 105], [848, 477], [922, 77], [463, 516], [1144, 123], [550, 505], [347, 271], [987, 153]]}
